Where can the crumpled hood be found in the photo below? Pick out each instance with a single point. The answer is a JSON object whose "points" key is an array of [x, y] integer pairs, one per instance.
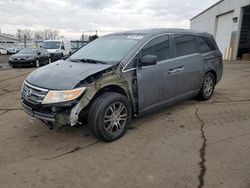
{"points": [[63, 75]]}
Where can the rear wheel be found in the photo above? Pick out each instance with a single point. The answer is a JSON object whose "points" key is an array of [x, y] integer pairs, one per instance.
{"points": [[109, 116], [207, 88]]}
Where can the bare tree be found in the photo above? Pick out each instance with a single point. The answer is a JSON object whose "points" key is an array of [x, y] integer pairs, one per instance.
{"points": [[26, 33], [37, 35], [49, 34]]}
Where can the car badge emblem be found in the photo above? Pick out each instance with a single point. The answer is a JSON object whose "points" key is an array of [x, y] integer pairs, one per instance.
{"points": [[28, 93]]}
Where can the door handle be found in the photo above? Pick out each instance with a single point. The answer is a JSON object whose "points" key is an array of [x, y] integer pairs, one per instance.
{"points": [[172, 71], [180, 69]]}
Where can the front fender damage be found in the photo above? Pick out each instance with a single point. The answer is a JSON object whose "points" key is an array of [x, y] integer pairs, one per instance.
{"points": [[107, 78]]}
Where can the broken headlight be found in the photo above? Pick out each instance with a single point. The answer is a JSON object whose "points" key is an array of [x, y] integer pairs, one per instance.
{"points": [[62, 96]]}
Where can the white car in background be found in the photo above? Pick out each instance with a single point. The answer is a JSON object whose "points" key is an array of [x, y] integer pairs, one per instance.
{"points": [[3, 51], [11, 50], [57, 48]]}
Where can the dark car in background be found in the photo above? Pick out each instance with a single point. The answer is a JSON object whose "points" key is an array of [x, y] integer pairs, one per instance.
{"points": [[29, 57], [123, 75]]}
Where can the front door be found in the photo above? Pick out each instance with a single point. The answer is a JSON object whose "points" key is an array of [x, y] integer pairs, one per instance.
{"points": [[156, 83]]}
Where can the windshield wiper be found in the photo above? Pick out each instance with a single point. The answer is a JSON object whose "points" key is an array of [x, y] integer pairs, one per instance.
{"points": [[89, 61]]}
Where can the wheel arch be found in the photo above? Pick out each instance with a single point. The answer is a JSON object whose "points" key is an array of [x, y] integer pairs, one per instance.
{"points": [[111, 88], [108, 88]]}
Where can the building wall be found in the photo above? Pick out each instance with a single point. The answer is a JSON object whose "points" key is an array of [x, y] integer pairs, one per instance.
{"points": [[7, 41], [207, 21]]}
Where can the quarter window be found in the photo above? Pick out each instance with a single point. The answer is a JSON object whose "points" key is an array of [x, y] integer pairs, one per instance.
{"points": [[159, 47], [185, 45], [205, 45]]}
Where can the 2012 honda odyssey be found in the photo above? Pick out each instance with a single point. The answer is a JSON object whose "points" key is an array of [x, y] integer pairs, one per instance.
{"points": [[123, 75]]}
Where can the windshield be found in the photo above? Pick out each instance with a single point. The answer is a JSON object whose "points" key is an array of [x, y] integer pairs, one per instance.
{"points": [[27, 51], [52, 44], [110, 49]]}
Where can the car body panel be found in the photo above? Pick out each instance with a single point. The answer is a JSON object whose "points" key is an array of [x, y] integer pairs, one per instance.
{"points": [[155, 84], [189, 73]]}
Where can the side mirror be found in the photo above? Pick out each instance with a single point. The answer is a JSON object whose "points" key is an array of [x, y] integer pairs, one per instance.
{"points": [[62, 47], [148, 60]]}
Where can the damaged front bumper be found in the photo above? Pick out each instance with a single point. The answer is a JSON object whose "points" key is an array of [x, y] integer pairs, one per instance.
{"points": [[58, 115], [62, 113], [42, 116]]}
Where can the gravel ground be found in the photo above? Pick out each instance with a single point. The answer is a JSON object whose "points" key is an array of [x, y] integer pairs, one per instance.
{"points": [[192, 144]]}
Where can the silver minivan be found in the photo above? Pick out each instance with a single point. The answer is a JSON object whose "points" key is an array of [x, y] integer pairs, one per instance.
{"points": [[123, 75]]}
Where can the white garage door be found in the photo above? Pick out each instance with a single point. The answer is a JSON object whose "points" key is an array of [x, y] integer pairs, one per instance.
{"points": [[223, 33]]}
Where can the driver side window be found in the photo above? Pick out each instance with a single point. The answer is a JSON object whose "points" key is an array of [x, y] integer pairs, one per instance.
{"points": [[159, 47]]}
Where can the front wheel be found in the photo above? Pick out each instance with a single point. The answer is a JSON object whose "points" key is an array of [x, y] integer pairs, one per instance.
{"points": [[109, 116], [207, 88]]}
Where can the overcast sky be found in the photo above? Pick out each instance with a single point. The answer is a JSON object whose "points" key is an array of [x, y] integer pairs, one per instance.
{"points": [[72, 17]]}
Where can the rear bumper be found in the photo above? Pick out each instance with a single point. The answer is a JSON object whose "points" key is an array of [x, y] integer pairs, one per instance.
{"points": [[39, 115]]}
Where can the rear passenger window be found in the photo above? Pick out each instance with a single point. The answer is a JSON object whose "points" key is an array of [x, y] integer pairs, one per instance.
{"points": [[159, 47], [185, 45], [205, 45]]}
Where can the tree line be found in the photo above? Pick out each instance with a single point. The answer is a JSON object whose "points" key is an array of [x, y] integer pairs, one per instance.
{"points": [[45, 34]]}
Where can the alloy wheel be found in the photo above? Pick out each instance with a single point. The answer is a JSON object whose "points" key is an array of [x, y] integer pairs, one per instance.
{"points": [[208, 86], [115, 118]]}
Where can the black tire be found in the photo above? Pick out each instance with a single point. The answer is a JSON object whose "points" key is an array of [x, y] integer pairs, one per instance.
{"points": [[100, 109], [207, 90]]}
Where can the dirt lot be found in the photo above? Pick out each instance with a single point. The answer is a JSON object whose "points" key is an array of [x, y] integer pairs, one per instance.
{"points": [[183, 146]]}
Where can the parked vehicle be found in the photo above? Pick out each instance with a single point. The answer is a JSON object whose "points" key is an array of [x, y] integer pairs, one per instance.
{"points": [[3, 51], [12, 50], [30, 56], [57, 48], [123, 75]]}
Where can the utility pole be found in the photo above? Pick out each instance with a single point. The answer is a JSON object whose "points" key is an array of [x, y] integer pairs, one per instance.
{"points": [[24, 40], [19, 35], [83, 36]]}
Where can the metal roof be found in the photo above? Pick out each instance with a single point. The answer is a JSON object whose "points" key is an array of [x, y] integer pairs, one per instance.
{"points": [[207, 9], [8, 36]]}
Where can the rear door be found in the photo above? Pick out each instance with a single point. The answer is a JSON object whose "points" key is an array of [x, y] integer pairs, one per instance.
{"points": [[189, 62], [156, 83]]}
